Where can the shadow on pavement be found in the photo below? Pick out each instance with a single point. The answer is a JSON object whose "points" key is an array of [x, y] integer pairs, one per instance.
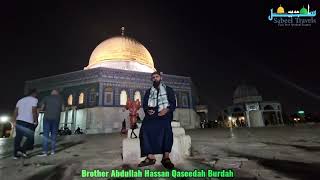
{"points": [[296, 170], [307, 148]]}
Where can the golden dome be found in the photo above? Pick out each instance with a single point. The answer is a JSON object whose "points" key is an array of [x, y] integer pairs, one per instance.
{"points": [[280, 10], [118, 50]]}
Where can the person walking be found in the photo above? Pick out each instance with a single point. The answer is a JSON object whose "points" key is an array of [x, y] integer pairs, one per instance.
{"points": [[25, 117], [52, 106]]}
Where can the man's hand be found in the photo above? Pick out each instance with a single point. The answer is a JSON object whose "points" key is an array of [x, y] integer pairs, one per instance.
{"points": [[35, 114], [163, 112], [14, 118], [14, 123], [150, 112], [36, 123]]}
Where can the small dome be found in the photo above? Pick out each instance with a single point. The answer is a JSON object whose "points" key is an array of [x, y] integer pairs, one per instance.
{"points": [[245, 93], [303, 11], [280, 10]]}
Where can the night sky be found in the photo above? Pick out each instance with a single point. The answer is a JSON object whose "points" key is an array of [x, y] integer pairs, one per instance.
{"points": [[218, 44]]}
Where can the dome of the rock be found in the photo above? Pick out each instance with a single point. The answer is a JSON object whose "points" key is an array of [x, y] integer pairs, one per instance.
{"points": [[121, 52]]}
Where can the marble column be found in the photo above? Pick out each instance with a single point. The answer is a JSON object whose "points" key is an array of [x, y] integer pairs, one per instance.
{"points": [[100, 94], [66, 116]]}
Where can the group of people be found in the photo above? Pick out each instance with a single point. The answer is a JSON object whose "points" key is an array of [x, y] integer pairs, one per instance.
{"points": [[156, 136], [25, 121], [240, 123]]}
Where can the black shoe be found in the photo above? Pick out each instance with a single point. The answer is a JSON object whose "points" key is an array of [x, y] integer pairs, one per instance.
{"points": [[147, 162], [166, 162], [16, 157], [23, 154]]}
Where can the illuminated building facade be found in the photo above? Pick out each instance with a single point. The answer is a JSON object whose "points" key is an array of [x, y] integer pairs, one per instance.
{"points": [[119, 68]]}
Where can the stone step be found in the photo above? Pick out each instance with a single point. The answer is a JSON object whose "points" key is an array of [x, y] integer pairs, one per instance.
{"points": [[175, 124], [178, 131], [180, 149]]}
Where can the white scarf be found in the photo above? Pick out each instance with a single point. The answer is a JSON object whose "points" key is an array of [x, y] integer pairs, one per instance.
{"points": [[162, 97]]}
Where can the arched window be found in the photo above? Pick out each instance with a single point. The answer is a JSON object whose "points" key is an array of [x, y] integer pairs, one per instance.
{"points": [[184, 100], [268, 107], [81, 98], [137, 95], [93, 97], [70, 100], [123, 97], [108, 96]]}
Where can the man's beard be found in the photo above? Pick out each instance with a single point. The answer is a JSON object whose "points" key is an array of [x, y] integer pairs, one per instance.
{"points": [[156, 84]]}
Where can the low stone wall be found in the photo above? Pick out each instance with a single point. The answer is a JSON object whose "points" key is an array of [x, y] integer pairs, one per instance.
{"points": [[109, 119]]}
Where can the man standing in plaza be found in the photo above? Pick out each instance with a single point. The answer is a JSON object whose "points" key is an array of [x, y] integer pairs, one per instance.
{"points": [[156, 135], [52, 106], [25, 117]]}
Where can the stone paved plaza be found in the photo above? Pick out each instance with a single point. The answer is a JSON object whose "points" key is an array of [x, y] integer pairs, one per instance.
{"points": [[281, 152]]}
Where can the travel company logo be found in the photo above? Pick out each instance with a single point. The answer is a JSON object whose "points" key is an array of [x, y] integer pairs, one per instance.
{"points": [[304, 17]]}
